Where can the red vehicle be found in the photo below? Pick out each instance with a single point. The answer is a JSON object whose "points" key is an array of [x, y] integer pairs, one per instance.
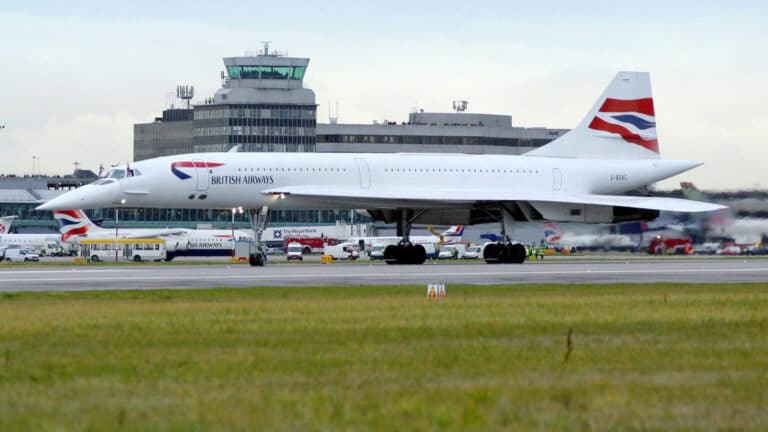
{"points": [[311, 244], [669, 246]]}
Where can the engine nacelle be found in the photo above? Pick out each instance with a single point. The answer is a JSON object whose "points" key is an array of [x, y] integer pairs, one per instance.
{"points": [[585, 213], [176, 244]]}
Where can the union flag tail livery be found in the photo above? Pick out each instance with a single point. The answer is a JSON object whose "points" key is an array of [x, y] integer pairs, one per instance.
{"points": [[5, 224], [621, 125], [74, 223]]}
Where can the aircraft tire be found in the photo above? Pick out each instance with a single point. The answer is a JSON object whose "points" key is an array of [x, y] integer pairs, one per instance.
{"points": [[418, 254], [504, 254], [392, 254], [491, 253], [517, 254], [256, 260]]}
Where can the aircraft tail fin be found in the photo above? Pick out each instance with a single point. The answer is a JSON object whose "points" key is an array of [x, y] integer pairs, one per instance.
{"points": [[5, 224], [74, 223], [621, 125], [454, 233]]}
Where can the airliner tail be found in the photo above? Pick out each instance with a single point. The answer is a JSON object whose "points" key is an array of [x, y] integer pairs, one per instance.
{"points": [[621, 125]]}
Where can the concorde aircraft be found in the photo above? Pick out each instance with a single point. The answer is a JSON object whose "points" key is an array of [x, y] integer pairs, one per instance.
{"points": [[596, 173]]}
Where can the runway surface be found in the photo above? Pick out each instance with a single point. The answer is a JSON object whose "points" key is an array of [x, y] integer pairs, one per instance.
{"points": [[77, 278]]}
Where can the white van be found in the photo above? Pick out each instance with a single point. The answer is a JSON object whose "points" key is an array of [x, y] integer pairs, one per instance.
{"points": [[15, 254], [343, 251], [295, 251]]}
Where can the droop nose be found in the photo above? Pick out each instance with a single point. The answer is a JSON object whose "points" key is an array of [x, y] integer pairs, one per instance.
{"points": [[85, 197]]}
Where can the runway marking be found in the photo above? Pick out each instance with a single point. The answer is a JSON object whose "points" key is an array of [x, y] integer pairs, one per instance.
{"points": [[382, 275], [71, 270]]}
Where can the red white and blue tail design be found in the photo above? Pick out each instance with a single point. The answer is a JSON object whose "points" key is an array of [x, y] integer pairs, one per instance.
{"points": [[5, 224], [621, 125], [74, 223]]}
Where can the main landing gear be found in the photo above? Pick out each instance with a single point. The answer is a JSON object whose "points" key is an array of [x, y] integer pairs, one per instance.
{"points": [[257, 256], [405, 252], [505, 252]]}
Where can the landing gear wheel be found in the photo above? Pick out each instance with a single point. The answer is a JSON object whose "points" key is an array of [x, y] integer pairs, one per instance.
{"points": [[256, 260], [500, 253], [418, 254], [405, 254], [517, 254], [491, 253]]}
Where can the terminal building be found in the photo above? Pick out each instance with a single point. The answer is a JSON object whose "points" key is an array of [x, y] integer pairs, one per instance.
{"points": [[458, 132]]}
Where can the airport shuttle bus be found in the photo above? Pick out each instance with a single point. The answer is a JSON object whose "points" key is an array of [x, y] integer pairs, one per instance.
{"points": [[137, 250]]}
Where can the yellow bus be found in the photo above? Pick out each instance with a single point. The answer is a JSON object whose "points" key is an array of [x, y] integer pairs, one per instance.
{"points": [[137, 249]]}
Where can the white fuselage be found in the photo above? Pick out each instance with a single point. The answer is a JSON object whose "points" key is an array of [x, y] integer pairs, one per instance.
{"points": [[41, 243], [182, 240], [252, 180]]}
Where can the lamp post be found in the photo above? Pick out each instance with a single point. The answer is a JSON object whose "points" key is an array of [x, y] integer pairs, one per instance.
{"points": [[234, 210], [117, 224]]}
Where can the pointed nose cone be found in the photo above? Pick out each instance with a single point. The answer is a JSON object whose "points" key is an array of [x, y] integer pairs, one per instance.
{"points": [[85, 197]]}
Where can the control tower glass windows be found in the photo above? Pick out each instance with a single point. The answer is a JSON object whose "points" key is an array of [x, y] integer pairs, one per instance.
{"points": [[267, 72]]}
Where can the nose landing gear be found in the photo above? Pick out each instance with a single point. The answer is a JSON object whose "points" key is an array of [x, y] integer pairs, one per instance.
{"points": [[257, 256]]}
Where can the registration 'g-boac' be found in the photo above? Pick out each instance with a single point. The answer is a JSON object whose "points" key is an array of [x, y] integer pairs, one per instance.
{"points": [[596, 173]]}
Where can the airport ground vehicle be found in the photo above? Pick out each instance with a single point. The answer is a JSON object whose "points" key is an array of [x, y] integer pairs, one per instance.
{"points": [[17, 254], [343, 251], [377, 251], [294, 251], [137, 250], [455, 251], [669, 246], [473, 252], [310, 245]]}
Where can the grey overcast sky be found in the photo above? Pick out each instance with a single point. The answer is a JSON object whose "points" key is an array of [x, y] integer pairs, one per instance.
{"points": [[77, 75]]}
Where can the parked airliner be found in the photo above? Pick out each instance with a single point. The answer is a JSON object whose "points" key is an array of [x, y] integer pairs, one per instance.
{"points": [[596, 173], [75, 224], [41, 243]]}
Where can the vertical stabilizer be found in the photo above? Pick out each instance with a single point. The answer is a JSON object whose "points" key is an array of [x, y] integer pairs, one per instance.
{"points": [[621, 125], [5, 224], [74, 223]]}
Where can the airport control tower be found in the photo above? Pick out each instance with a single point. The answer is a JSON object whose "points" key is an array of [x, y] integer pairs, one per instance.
{"points": [[261, 106]]}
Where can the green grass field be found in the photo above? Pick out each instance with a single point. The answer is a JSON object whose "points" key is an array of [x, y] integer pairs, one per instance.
{"points": [[663, 357]]}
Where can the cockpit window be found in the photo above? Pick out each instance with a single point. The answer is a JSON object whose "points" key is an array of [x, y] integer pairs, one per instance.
{"points": [[103, 181], [121, 173]]}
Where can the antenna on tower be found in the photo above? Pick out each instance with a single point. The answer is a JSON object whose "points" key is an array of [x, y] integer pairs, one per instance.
{"points": [[333, 119], [460, 105], [185, 93], [266, 47]]}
